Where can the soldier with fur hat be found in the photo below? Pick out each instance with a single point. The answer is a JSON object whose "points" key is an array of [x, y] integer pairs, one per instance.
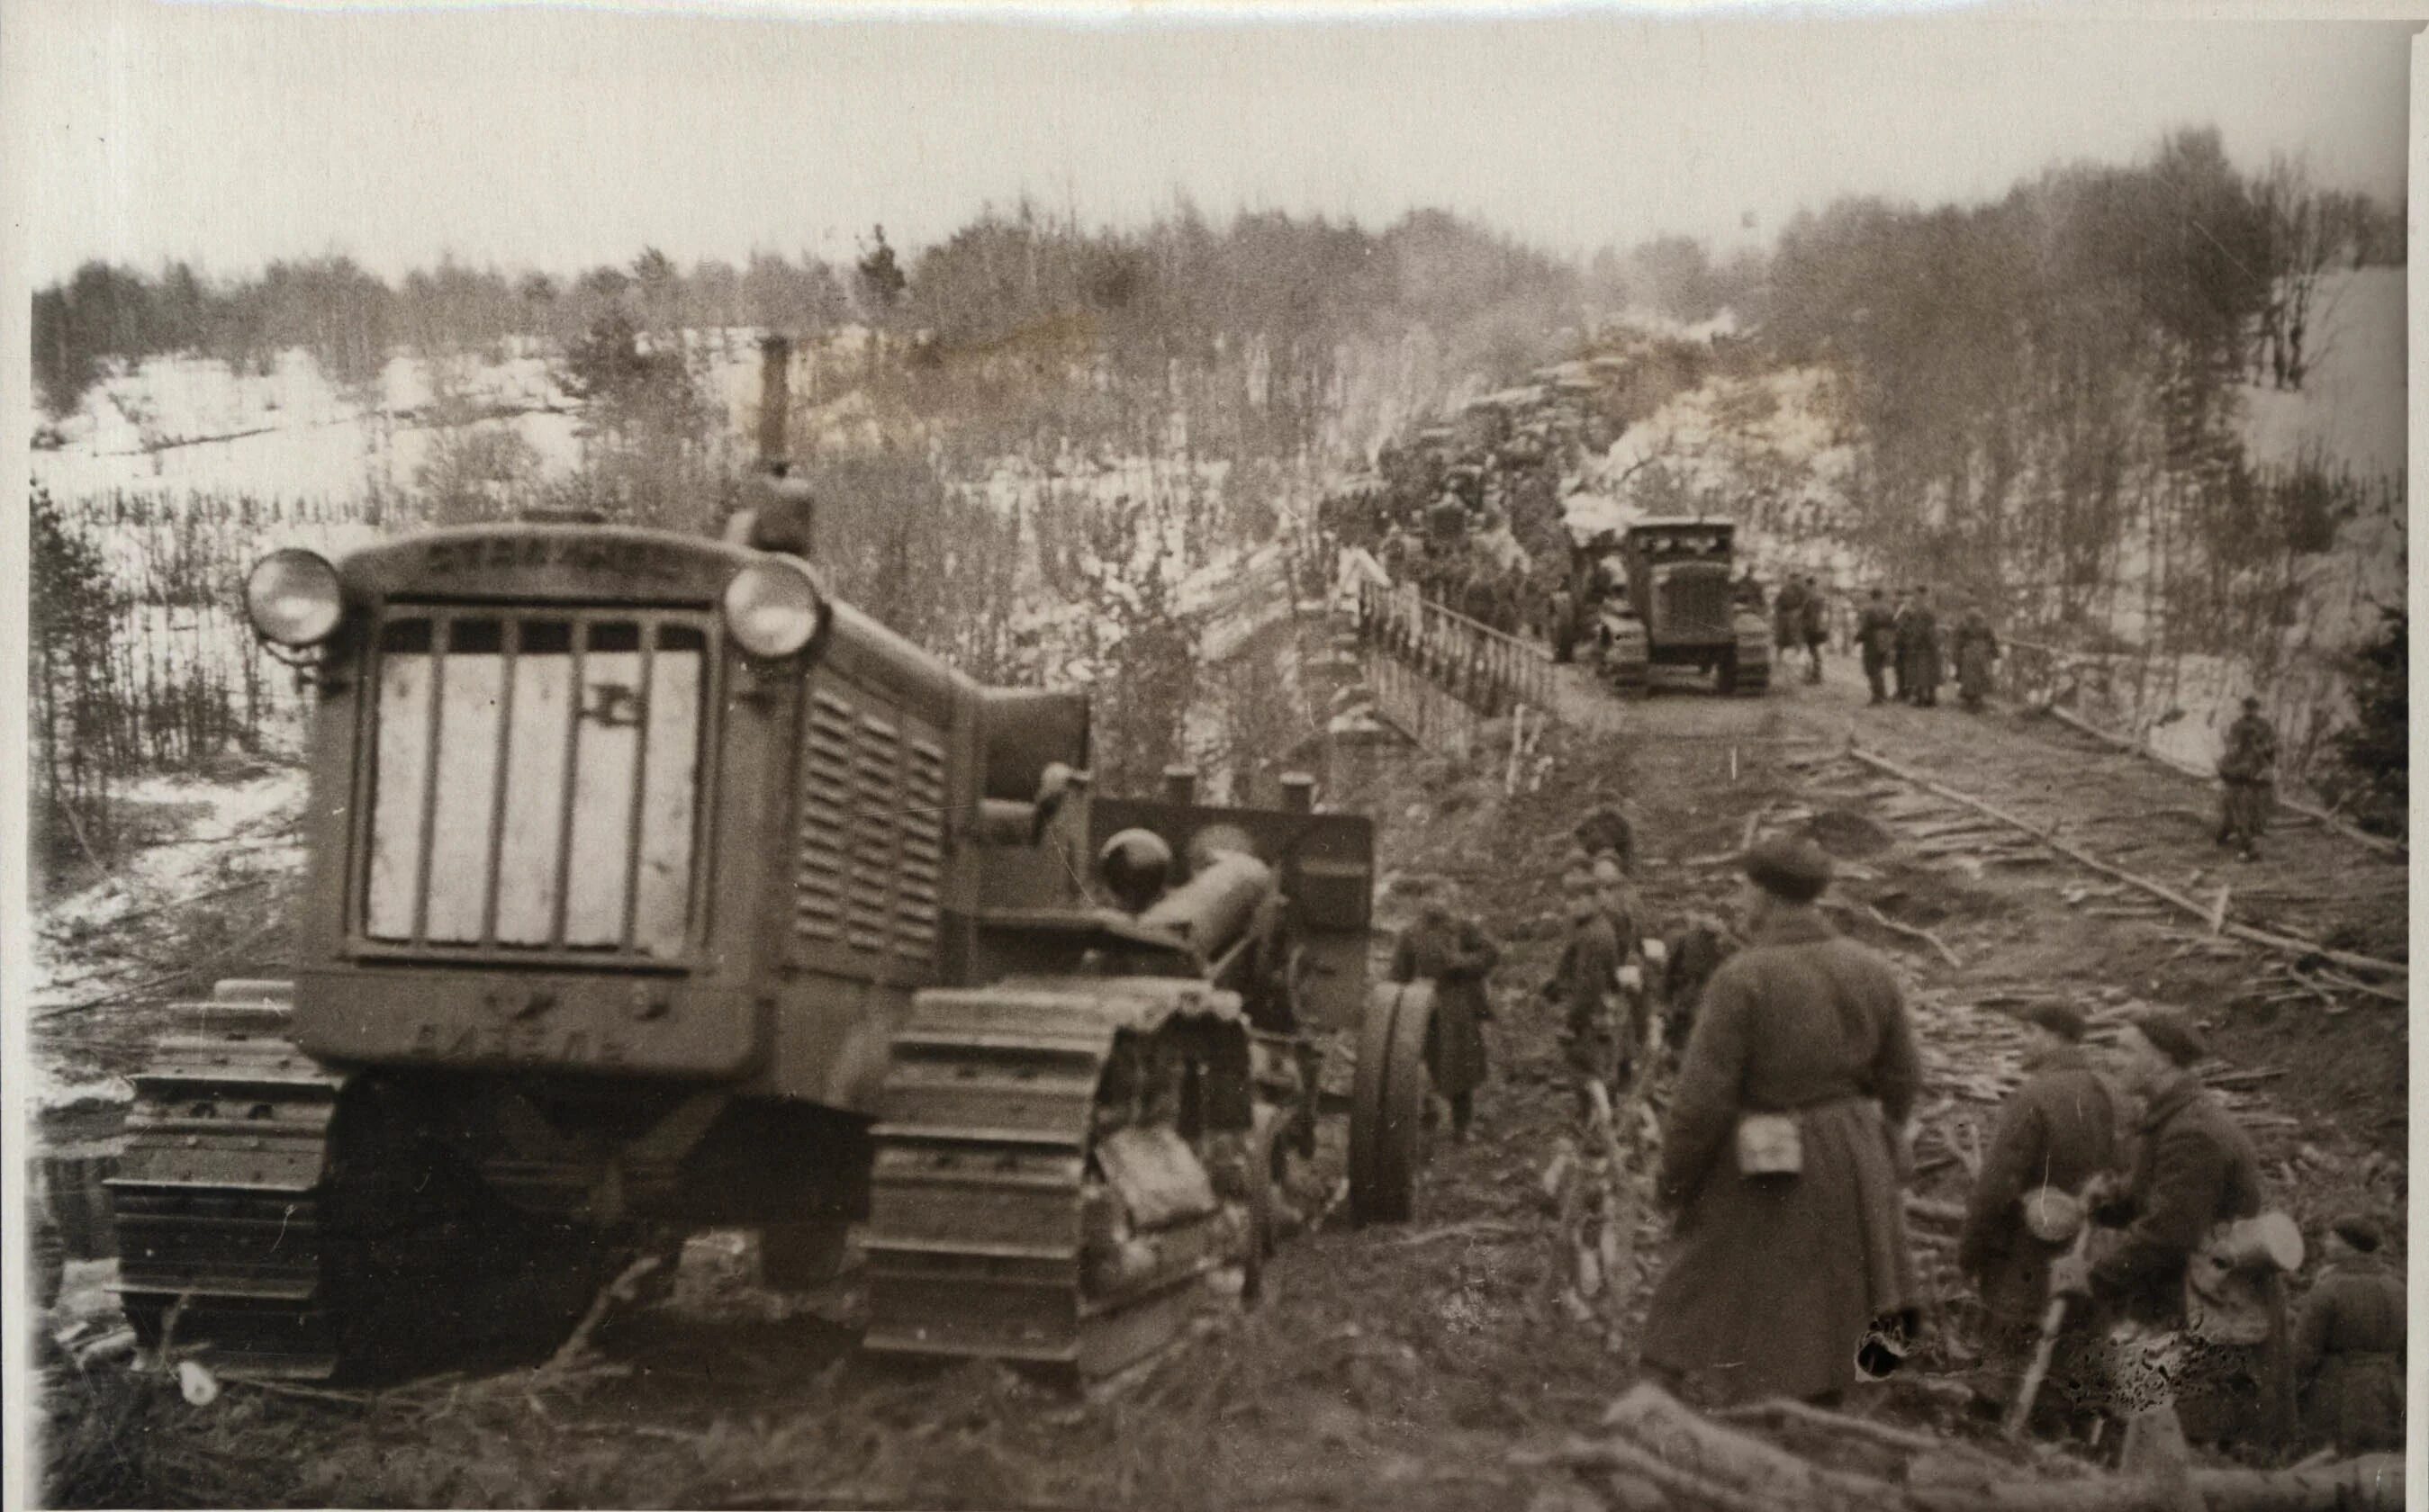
{"points": [[1780, 1154]]}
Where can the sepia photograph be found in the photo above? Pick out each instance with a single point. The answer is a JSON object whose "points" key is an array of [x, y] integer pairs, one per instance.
{"points": [[1539, 759]]}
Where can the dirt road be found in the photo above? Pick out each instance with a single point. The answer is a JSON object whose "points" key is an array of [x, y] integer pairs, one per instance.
{"points": [[1398, 1367]]}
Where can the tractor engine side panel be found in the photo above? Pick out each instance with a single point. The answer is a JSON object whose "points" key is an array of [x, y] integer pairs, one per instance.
{"points": [[869, 901]]}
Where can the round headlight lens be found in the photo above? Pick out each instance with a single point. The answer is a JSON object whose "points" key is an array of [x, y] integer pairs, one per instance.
{"points": [[772, 609], [293, 599]]}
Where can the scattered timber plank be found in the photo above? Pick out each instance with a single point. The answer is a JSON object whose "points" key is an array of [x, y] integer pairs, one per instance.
{"points": [[1962, 824], [1480, 1228], [2317, 815], [2165, 894], [1912, 932], [2350, 985]]}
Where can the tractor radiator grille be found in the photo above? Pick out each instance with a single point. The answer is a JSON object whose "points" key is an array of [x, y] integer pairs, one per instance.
{"points": [[536, 781], [1694, 605]]}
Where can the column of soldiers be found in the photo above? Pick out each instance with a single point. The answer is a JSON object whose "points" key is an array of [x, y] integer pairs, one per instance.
{"points": [[1902, 651], [2118, 1229], [1500, 596]]}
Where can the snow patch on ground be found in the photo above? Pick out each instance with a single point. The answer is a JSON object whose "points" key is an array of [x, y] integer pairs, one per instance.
{"points": [[241, 839], [2351, 407]]}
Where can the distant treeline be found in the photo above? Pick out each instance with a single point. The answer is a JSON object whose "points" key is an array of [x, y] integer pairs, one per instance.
{"points": [[1182, 285], [2046, 391], [2040, 393]]}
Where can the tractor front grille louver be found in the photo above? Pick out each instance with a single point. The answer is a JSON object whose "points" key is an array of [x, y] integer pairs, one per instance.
{"points": [[872, 831]]}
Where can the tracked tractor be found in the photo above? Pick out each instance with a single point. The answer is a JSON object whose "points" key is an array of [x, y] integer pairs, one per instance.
{"points": [[1669, 603], [650, 888]]}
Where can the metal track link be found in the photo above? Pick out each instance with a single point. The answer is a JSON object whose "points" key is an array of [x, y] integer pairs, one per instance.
{"points": [[975, 1242], [218, 1205]]}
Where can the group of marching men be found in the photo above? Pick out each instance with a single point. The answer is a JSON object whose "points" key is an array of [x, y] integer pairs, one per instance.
{"points": [[1901, 643], [2118, 1229]]}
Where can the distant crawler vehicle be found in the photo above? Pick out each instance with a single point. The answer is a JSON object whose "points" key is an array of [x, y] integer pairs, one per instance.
{"points": [[1664, 600], [651, 888]]}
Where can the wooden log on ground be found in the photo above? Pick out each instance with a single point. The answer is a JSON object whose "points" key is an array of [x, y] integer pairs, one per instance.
{"points": [[1677, 1437], [1619, 1454], [1658, 1437], [2317, 815], [2288, 943], [2373, 1484]]}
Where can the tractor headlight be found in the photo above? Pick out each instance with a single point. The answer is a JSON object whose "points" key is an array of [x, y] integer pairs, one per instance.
{"points": [[773, 608], [293, 599]]}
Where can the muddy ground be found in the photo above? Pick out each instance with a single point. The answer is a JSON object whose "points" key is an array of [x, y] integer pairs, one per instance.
{"points": [[1389, 1367]]}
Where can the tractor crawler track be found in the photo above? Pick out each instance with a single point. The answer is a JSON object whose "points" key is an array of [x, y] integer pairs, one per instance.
{"points": [[220, 1224], [278, 1219], [976, 1245]]}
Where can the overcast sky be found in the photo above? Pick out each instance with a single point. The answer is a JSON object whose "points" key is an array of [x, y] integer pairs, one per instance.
{"points": [[561, 138]]}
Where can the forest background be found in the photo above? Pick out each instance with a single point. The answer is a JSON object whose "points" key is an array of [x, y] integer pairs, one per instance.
{"points": [[1042, 449]]}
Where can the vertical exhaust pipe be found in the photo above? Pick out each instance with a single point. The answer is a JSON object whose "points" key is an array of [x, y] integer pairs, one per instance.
{"points": [[781, 517], [775, 398]]}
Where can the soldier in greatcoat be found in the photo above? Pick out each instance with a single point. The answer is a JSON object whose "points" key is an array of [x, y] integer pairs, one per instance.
{"points": [[2193, 1170], [1693, 952], [2349, 1344], [2059, 1130], [1902, 647], [1788, 618], [1876, 632], [1920, 652], [1586, 987], [1564, 628], [1456, 955], [1618, 902], [1977, 647], [1779, 1156], [2247, 770], [1816, 623]]}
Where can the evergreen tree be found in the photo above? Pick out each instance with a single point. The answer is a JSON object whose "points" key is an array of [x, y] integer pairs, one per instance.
{"points": [[2370, 755]]}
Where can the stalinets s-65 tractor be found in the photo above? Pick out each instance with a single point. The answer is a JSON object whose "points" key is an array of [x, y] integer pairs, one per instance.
{"points": [[652, 889], [1670, 604]]}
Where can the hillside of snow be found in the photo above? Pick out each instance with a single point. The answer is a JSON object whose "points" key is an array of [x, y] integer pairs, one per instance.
{"points": [[1767, 451]]}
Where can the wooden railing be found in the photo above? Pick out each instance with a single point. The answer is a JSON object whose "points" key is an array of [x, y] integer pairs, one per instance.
{"points": [[1488, 670]]}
